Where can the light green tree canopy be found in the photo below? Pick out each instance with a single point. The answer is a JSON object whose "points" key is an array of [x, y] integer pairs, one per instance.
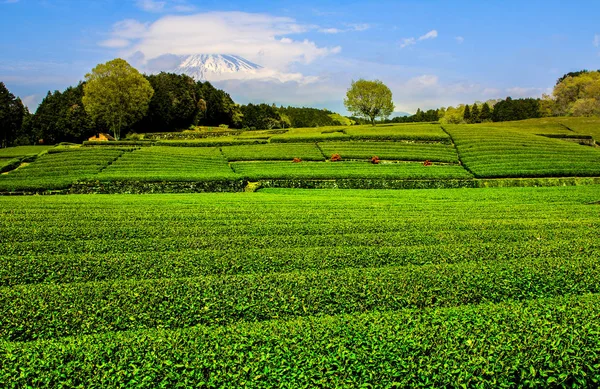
{"points": [[116, 95], [579, 95], [369, 99]]}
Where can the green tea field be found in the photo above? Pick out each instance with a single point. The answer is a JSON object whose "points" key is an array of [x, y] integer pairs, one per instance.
{"points": [[388, 156], [494, 287], [486, 275]]}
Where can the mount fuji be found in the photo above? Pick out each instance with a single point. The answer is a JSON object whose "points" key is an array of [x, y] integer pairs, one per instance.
{"points": [[202, 67]]}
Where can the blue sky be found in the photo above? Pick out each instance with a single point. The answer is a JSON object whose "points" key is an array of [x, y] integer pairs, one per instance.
{"points": [[430, 53]]}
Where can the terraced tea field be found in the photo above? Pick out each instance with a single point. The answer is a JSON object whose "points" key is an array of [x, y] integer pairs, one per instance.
{"points": [[419, 155], [302, 288]]}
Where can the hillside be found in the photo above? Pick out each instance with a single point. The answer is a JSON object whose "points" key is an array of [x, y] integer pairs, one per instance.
{"points": [[472, 282], [226, 160], [414, 288]]}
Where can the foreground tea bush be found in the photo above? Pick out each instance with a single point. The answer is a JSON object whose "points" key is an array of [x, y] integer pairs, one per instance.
{"points": [[540, 343], [47, 311]]}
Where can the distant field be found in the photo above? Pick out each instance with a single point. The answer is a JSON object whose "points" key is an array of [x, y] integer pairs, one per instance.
{"points": [[493, 151], [256, 171], [301, 288], [274, 152], [535, 148], [21, 151], [58, 170], [169, 164], [398, 151]]}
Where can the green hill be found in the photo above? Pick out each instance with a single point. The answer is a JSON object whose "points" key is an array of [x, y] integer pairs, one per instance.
{"points": [[224, 160]]}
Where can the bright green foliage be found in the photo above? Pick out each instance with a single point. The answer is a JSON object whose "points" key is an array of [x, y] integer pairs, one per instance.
{"points": [[212, 142], [58, 169], [310, 135], [541, 343], [288, 288], [588, 126], [8, 164], [341, 170], [369, 99], [418, 131], [578, 95], [400, 151], [169, 164], [116, 95], [503, 152], [22, 151], [273, 152]]}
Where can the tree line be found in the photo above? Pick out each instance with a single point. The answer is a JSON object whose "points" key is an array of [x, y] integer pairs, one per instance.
{"points": [[575, 94], [176, 102]]}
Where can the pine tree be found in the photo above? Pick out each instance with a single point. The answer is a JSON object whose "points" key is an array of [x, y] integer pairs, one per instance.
{"points": [[475, 118], [12, 112], [467, 114], [486, 113]]}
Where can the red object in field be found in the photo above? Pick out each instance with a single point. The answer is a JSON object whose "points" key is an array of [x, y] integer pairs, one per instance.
{"points": [[297, 160], [336, 157], [375, 160], [427, 163]]}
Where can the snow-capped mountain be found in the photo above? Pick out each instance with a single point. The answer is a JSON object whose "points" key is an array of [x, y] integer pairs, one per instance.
{"points": [[210, 67]]}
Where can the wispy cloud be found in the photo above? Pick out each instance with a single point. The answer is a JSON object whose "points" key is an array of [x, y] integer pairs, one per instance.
{"points": [[349, 28], [160, 6], [151, 5], [597, 40], [330, 30], [405, 42], [430, 35], [459, 39]]}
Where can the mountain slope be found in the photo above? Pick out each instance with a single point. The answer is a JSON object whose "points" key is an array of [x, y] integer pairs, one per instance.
{"points": [[203, 67]]}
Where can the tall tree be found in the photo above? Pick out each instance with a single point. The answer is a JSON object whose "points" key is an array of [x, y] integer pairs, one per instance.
{"points": [[12, 112], [486, 112], [475, 114], [174, 105], [61, 117], [467, 114], [116, 95], [369, 99], [220, 108]]}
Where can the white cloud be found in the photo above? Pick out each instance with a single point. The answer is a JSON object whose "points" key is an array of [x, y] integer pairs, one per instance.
{"points": [[522, 92], [430, 35], [330, 30], [350, 28], [161, 6], [115, 43], [405, 42], [459, 39], [597, 40], [260, 38], [31, 102], [359, 27], [151, 5]]}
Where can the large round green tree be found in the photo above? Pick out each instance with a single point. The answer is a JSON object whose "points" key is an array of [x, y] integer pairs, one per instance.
{"points": [[369, 99], [116, 95]]}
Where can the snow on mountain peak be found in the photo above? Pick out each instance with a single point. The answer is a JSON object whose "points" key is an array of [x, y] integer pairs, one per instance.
{"points": [[203, 67]]}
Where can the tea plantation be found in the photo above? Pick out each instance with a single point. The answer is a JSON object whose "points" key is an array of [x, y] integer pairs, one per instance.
{"points": [[490, 280]]}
